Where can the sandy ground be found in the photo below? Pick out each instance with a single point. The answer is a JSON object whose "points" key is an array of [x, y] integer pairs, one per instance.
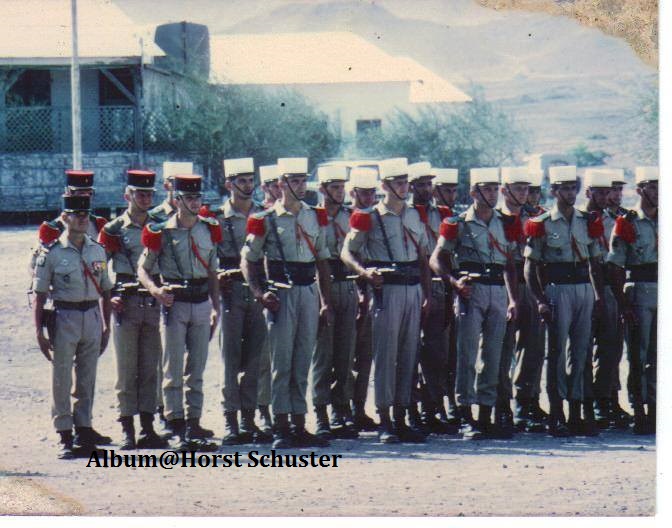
{"points": [[613, 474]]}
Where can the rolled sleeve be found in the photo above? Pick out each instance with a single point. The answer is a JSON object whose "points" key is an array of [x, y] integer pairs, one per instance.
{"points": [[533, 248], [42, 275], [354, 240], [446, 245], [618, 250], [253, 250], [147, 260], [321, 247]]}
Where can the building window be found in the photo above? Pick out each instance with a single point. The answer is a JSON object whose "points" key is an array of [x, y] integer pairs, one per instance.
{"points": [[32, 88], [28, 118], [365, 125], [109, 94]]}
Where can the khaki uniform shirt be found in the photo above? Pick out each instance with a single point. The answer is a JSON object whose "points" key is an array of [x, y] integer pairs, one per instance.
{"points": [[177, 259], [289, 227], [644, 250], [234, 222], [60, 267], [479, 242], [564, 241], [404, 231], [336, 232], [126, 259]]}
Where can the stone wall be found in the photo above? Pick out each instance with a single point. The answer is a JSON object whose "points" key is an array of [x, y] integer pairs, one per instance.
{"points": [[34, 182]]}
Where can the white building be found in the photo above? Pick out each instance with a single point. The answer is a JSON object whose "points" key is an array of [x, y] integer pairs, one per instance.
{"points": [[352, 80]]}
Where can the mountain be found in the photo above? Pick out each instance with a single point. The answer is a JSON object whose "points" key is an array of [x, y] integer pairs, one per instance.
{"points": [[567, 83]]}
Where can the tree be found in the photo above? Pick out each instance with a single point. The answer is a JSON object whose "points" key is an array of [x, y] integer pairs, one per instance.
{"points": [[587, 158], [475, 134], [210, 123]]}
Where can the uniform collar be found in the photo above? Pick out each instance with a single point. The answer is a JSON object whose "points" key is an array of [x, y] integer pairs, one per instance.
{"points": [[171, 223], [383, 209], [65, 242], [508, 212], [228, 211], [126, 220], [557, 215], [470, 215], [280, 209]]}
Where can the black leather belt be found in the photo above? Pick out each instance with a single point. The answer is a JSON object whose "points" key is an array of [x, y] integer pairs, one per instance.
{"points": [[405, 273], [490, 274], [567, 273], [81, 306], [339, 271], [229, 262], [128, 278], [643, 273], [193, 291], [300, 273]]}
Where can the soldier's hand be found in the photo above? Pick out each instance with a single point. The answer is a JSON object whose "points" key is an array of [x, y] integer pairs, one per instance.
{"points": [[104, 340], [463, 287], [45, 345], [326, 315], [512, 312], [214, 318], [373, 277], [164, 296], [270, 301], [545, 312], [117, 303]]}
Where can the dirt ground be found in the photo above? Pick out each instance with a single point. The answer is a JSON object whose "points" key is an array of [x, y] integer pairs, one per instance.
{"points": [[611, 475]]}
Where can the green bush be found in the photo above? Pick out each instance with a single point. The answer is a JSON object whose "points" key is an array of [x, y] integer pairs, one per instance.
{"points": [[587, 158]]}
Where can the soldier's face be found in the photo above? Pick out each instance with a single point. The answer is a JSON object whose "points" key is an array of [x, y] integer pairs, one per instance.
{"points": [[272, 190], [398, 185], [334, 191], [296, 184], [518, 191], [615, 196], [422, 189], [241, 186], [485, 194], [446, 193], [78, 222], [143, 199], [363, 198], [598, 195], [534, 196], [566, 193], [190, 202], [650, 192]]}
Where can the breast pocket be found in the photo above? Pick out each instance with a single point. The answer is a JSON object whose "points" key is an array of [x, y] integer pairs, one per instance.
{"points": [[66, 274], [556, 246]]}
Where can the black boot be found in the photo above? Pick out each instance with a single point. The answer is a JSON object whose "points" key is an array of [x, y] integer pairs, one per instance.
{"points": [[198, 432], [99, 439], [620, 418], [574, 422], [415, 420], [589, 425], [323, 429], [282, 439], [537, 412], [65, 445], [265, 422], [128, 430], [405, 433], [248, 427], [176, 428], [503, 426], [602, 412], [83, 444], [521, 413], [195, 437], [303, 438], [148, 438], [231, 430], [651, 418], [363, 422], [639, 427], [449, 417], [556, 421], [468, 427], [341, 426], [484, 423], [386, 433]]}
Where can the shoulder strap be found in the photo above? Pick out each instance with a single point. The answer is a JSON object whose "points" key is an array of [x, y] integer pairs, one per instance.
{"points": [[383, 230], [274, 228], [88, 273]]}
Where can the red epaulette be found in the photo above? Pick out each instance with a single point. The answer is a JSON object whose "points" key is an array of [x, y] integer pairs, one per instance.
{"points": [[215, 233], [513, 229], [100, 223], [444, 211], [111, 242], [625, 230], [595, 225], [151, 239], [535, 229], [206, 212], [449, 230], [48, 233], [256, 226], [322, 217], [422, 211], [360, 220]]}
